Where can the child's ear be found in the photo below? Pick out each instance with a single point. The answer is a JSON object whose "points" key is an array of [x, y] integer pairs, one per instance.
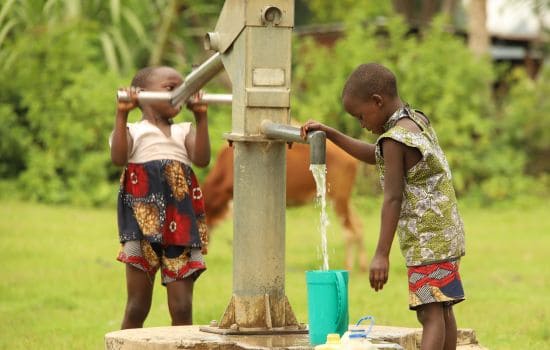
{"points": [[378, 99]]}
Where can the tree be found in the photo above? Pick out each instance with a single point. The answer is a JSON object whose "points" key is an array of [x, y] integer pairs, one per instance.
{"points": [[436, 73], [60, 64], [131, 33], [478, 35]]}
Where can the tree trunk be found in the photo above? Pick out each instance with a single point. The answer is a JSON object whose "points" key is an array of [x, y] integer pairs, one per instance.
{"points": [[478, 36], [448, 7], [406, 9], [427, 11]]}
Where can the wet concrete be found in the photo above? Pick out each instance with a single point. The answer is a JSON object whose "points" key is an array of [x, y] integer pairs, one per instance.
{"points": [[190, 337]]}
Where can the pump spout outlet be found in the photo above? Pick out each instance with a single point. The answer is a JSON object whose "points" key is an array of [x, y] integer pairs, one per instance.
{"points": [[317, 147], [289, 133]]}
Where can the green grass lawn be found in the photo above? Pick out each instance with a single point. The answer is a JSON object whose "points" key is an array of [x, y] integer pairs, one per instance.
{"points": [[62, 288]]}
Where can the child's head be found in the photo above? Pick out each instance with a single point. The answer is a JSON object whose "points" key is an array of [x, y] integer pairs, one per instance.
{"points": [[158, 79], [370, 95]]}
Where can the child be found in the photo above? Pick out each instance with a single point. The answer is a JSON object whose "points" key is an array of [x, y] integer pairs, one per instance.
{"points": [[161, 216], [419, 199]]}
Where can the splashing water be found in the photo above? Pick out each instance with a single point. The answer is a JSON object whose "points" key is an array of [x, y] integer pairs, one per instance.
{"points": [[319, 172]]}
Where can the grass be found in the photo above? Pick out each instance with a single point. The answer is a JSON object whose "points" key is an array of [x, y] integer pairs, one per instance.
{"points": [[61, 287]]}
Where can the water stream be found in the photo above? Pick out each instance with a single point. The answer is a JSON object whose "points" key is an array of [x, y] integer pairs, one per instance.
{"points": [[319, 172]]}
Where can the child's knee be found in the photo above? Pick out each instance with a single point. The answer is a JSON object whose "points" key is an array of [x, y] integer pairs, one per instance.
{"points": [[180, 303], [429, 313], [137, 310], [181, 313], [420, 316]]}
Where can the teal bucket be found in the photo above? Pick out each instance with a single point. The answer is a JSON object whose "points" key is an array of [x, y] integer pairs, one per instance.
{"points": [[327, 304]]}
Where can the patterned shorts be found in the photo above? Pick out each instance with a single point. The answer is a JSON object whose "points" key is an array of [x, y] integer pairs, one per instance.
{"points": [[175, 262], [435, 283]]}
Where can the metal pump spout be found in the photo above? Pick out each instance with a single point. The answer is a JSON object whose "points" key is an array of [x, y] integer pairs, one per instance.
{"points": [[289, 133]]}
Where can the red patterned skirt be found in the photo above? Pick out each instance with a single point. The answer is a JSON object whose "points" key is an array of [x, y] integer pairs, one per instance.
{"points": [[160, 201], [435, 283], [175, 262]]}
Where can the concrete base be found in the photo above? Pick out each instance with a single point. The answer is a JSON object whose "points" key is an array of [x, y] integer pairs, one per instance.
{"points": [[259, 331], [190, 337], [410, 338]]}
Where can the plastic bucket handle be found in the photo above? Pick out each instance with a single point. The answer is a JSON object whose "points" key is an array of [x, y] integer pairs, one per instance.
{"points": [[366, 318], [342, 303]]}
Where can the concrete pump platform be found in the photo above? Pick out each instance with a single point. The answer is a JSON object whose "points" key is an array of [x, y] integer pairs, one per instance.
{"points": [[190, 337]]}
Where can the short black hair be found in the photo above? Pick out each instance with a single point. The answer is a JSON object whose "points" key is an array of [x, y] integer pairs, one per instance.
{"points": [[141, 78], [369, 79]]}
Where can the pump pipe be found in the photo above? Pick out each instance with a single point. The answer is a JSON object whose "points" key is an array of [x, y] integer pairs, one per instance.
{"points": [[191, 84], [289, 133], [197, 79], [150, 96]]}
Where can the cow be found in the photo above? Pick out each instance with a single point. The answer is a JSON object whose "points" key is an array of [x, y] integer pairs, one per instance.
{"points": [[300, 189]]}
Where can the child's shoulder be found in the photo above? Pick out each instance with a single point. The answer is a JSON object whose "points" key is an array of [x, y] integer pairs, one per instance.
{"points": [[182, 125], [137, 125], [141, 122], [181, 129], [408, 124]]}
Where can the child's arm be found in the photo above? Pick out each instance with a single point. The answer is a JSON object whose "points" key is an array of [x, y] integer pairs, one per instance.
{"points": [[121, 141], [361, 150], [197, 141], [394, 162]]}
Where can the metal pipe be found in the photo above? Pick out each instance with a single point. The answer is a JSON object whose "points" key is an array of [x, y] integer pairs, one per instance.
{"points": [[217, 98], [197, 79], [317, 147], [149, 96], [192, 83], [145, 96], [283, 132], [289, 133]]}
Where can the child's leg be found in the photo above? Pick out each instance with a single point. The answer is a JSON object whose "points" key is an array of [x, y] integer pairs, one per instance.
{"points": [[180, 301], [431, 316], [450, 328], [139, 286]]}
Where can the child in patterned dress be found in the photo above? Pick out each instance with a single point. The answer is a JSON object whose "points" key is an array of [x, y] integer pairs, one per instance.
{"points": [[419, 199], [161, 217]]}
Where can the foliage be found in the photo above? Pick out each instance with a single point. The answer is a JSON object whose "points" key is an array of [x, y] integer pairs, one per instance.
{"points": [[436, 74], [58, 109], [338, 11], [524, 123], [131, 33], [60, 62]]}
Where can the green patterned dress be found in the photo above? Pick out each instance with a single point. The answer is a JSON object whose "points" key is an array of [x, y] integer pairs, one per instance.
{"points": [[430, 229]]}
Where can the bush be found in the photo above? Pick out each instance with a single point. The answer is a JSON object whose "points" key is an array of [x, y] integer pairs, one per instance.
{"points": [[436, 73], [524, 123], [58, 104]]}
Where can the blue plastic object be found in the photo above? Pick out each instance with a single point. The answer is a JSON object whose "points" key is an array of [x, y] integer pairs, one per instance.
{"points": [[327, 299]]}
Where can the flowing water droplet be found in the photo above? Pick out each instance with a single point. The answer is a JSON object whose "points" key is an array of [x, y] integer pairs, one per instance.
{"points": [[319, 172]]}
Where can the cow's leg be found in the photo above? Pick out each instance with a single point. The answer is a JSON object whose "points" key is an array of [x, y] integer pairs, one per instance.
{"points": [[357, 228], [352, 233]]}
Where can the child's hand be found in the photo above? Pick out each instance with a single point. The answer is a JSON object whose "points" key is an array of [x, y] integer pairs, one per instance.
{"points": [[196, 105], [378, 274], [311, 125], [127, 105]]}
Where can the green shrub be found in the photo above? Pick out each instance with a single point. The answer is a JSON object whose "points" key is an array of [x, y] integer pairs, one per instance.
{"points": [[436, 73], [525, 123], [58, 104]]}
